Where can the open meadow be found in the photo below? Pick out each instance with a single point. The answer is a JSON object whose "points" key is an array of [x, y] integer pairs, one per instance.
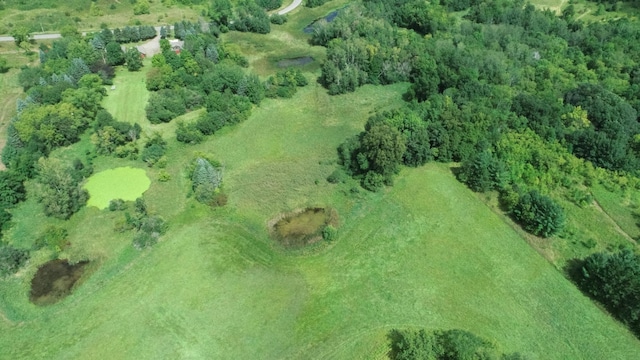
{"points": [[48, 16], [426, 252]]}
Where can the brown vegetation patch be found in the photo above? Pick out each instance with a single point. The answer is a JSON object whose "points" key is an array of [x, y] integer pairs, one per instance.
{"points": [[54, 280], [302, 226]]}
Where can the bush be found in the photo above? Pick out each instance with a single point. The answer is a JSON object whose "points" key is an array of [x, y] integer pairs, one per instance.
{"points": [[154, 149], [189, 133], [11, 259], [143, 240], [614, 281], [329, 233], [117, 204], [539, 214], [141, 7], [278, 19], [373, 181], [269, 4], [54, 237], [338, 176], [164, 176], [481, 172], [4, 65], [443, 345]]}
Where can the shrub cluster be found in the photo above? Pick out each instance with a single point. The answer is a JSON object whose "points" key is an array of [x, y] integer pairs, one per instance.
{"points": [[284, 84], [444, 345], [206, 182], [148, 228], [613, 279]]}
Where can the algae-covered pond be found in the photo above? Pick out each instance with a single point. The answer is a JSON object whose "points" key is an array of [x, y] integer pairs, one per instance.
{"points": [[124, 183]]}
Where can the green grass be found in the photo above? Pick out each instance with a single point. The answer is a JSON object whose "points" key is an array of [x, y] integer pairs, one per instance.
{"points": [[284, 42], [124, 183], [129, 98], [425, 253], [622, 207], [9, 93], [52, 15]]}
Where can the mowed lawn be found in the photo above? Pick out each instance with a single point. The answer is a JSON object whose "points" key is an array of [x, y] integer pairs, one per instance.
{"points": [[425, 253], [127, 101]]}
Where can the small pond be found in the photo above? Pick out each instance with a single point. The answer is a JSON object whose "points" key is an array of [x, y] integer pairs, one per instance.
{"points": [[124, 183], [54, 280], [297, 61], [304, 226], [329, 18]]}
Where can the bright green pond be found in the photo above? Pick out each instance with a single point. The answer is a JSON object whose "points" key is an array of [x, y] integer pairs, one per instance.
{"points": [[124, 183]]}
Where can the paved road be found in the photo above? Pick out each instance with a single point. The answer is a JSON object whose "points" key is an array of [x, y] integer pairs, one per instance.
{"points": [[291, 7], [55, 36]]}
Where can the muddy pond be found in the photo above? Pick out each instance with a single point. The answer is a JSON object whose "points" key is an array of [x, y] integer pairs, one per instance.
{"points": [[54, 281], [304, 226]]}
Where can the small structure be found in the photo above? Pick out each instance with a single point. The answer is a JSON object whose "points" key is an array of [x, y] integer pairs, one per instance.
{"points": [[176, 45], [142, 51]]}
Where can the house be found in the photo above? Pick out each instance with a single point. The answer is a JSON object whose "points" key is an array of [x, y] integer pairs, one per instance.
{"points": [[176, 45], [142, 51]]}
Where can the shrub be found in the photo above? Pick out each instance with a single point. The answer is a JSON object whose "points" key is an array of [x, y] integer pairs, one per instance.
{"points": [[443, 345], [614, 281], [11, 259], [373, 181], [164, 176], [153, 225], [329, 233], [338, 176], [481, 172], [141, 7], [539, 214], [189, 133], [54, 237], [4, 66], [269, 4], [154, 149], [278, 19], [117, 204], [143, 240]]}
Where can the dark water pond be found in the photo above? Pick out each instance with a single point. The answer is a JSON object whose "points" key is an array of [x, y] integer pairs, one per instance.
{"points": [[298, 61], [329, 18], [54, 280], [303, 227]]}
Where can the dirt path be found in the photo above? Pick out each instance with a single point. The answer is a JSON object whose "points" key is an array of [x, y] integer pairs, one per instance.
{"points": [[290, 8], [615, 224], [583, 15]]}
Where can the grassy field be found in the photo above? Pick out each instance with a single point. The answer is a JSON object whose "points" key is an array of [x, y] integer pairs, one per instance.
{"points": [[425, 253], [622, 206], [52, 15]]}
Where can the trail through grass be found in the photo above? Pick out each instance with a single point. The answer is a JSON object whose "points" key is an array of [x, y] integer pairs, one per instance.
{"points": [[9, 93]]}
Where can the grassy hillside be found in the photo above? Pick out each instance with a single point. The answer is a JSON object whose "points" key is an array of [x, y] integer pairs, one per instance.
{"points": [[426, 253], [51, 15]]}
